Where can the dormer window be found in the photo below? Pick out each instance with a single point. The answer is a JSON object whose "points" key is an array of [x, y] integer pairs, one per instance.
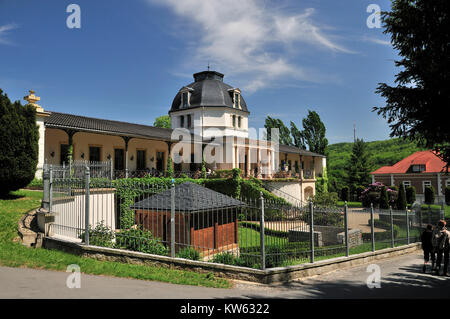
{"points": [[236, 100], [418, 168], [235, 95], [185, 99]]}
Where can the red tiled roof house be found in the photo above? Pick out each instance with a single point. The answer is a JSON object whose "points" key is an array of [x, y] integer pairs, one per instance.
{"points": [[420, 169]]}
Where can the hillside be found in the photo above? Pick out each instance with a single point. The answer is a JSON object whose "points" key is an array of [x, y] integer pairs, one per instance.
{"points": [[382, 153]]}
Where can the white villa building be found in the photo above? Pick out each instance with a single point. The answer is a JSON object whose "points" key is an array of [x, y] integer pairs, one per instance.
{"points": [[210, 115]]}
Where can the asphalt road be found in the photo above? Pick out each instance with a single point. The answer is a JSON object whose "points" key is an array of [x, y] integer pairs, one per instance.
{"points": [[400, 277]]}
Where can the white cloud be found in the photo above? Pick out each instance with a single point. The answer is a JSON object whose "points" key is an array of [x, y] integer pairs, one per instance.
{"points": [[376, 40], [252, 42], [4, 31]]}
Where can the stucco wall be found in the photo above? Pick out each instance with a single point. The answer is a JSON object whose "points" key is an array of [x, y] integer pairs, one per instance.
{"points": [[107, 143]]}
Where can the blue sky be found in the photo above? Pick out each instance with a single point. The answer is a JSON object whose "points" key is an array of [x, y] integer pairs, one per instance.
{"points": [[129, 58]]}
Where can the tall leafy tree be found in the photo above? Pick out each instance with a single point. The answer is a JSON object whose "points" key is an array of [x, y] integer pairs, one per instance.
{"points": [[284, 133], [358, 167], [163, 121], [420, 31], [314, 133], [19, 138], [299, 139]]}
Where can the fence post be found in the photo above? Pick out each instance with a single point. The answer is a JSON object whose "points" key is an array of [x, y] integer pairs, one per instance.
{"points": [[262, 238], [50, 189], [429, 214], [70, 167], [46, 184], [420, 220], [87, 180], [392, 226], [372, 230], [172, 219], [347, 246], [111, 169], [407, 226], [311, 229]]}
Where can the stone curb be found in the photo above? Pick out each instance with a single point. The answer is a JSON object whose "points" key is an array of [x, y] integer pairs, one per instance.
{"points": [[268, 276], [28, 231]]}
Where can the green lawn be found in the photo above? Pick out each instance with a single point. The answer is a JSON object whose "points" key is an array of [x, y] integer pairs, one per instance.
{"points": [[447, 212], [251, 238], [349, 204], [14, 254]]}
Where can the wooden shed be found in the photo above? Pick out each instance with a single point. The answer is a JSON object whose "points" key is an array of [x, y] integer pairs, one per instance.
{"points": [[204, 219]]}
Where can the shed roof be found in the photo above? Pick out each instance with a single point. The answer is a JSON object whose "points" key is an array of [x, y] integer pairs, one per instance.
{"points": [[189, 197]]}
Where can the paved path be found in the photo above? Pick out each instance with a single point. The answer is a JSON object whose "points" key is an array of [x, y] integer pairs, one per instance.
{"points": [[401, 277]]}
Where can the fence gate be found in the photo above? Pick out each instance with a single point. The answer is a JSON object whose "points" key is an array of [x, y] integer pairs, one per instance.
{"points": [[67, 201]]}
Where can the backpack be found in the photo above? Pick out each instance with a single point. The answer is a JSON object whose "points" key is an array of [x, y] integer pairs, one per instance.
{"points": [[440, 238]]}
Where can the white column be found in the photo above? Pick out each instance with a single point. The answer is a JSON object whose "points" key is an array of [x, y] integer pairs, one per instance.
{"points": [[373, 179], [41, 147], [392, 180]]}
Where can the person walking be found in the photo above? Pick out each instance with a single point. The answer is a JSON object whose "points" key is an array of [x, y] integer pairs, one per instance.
{"points": [[441, 246], [427, 246]]}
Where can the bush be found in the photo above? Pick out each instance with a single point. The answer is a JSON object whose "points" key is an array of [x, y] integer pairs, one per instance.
{"points": [[36, 184], [140, 240], [359, 190], [345, 194], [169, 172], [410, 194], [19, 138], [101, 235], [325, 199], [230, 259], [429, 195], [189, 253]]}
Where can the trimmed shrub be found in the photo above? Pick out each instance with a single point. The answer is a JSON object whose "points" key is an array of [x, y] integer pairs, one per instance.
{"points": [[345, 194], [384, 200], [410, 194], [401, 199], [19, 138], [429, 195]]}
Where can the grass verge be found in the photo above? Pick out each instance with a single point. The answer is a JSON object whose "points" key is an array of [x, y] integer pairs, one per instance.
{"points": [[14, 254]]}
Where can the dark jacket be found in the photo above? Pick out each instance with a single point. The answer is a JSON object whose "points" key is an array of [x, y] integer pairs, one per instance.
{"points": [[426, 239]]}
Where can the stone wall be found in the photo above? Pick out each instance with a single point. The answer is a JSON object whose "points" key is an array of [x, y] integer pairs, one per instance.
{"points": [[354, 238]]}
